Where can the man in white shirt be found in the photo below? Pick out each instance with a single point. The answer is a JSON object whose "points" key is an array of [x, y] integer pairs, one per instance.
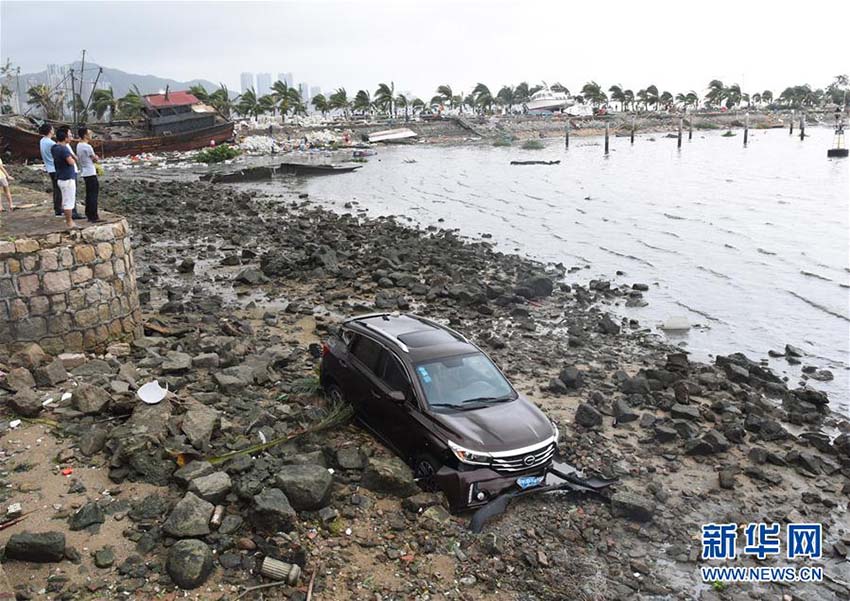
{"points": [[87, 158]]}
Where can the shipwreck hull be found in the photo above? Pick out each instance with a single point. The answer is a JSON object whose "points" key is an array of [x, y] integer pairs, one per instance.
{"points": [[23, 144]]}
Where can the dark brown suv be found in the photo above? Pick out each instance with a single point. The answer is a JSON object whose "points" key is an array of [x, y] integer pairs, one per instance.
{"points": [[439, 402]]}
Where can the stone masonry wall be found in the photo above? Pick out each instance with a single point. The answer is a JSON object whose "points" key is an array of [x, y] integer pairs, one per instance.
{"points": [[69, 291]]}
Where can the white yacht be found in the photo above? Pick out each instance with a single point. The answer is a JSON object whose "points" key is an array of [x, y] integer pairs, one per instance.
{"points": [[547, 100]]}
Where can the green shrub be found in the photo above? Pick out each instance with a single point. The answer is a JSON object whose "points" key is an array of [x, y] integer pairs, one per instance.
{"points": [[502, 142], [729, 134], [217, 154], [532, 145]]}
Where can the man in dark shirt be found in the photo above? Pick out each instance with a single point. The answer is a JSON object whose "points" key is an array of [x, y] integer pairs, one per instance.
{"points": [[66, 175]]}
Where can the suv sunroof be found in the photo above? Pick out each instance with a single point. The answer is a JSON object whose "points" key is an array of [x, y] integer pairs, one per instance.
{"points": [[429, 337]]}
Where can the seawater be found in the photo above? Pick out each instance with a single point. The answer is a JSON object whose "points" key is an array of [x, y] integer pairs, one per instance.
{"points": [[749, 244]]}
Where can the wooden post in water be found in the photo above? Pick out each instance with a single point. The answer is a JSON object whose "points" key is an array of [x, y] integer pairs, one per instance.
{"points": [[791, 127], [567, 135], [606, 137], [691, 128], [803, 126], [634, 125], [679, 139], [746, 128]]}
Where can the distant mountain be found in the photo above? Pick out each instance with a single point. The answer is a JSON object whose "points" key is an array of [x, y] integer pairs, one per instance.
{"points": [[119, 80]]}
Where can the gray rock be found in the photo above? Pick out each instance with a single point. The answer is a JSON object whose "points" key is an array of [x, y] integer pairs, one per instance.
{"points": [[85, 516], [25, 403], [571, 377], [31, 355], [623, 412], [588, 416], [190, 517], [39, 547], [176, 362], [793, 351], [212, 488], [726, 479], [306, 486], [95, 367], [665, 433], [104, 558], [711, 442], [192, 470], [632, 506], [389, 475], [271, 511], [690, 412], [421, 501], [189, 563], [230, 524], [206, 360], [51, 374], [20, 378], [150, 507], [608, 325], [199, 423], [89, 399], [350, 458], [93, 441]]}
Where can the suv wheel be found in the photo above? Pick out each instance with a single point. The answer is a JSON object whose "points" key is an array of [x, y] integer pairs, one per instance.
{"points": [[334, 393], [425, 470]]}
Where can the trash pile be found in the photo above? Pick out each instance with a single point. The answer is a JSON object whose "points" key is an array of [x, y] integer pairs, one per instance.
{"points": [[259, 145]]}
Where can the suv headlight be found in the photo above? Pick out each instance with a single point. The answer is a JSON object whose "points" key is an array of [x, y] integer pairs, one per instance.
{"points": [[557, 433], [470, 457]]}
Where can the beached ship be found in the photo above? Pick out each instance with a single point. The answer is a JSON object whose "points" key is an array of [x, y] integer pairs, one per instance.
{"points": [[170, 121], [548, 100]]}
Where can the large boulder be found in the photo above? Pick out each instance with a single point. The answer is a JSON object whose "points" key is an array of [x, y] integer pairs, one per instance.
{"points": [[30, 356], [51, 374], [588, 416], [189, 563], [213, 487], [199, 423], [25, 403], [272, 512], [19, 378], [85, 516], [89, 399], [306, 486], [190, 517], [389, 475], [632, 506], [40, 547]]}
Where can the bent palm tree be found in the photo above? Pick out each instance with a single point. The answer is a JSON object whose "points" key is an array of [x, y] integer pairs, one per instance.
{"points": [[248, 105], [481, 97], [716, 93], [362, 102], [617, 95], [130, 105], [339, 100], [103, 101], [39, 95], [220, 101], [445, 92], [385, 98], [402, 102], [200, 92], [320, 103], [506, 97], [593, 93]]}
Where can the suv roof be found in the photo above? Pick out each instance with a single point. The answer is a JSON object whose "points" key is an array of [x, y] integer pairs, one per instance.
{"points": [[418, 337]]}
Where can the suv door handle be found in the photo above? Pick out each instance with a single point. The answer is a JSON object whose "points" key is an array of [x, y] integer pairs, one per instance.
{"points": [[375, 394]]}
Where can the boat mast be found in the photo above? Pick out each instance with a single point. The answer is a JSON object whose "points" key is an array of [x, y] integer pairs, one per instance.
{"points": [[82, 80], [73, 104]]}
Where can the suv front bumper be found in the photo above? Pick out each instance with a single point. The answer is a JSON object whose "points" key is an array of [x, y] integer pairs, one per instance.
{"points": [[470, 488]]}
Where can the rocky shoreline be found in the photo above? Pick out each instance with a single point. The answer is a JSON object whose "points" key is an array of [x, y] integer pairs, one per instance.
{"points": [[237, 292]]}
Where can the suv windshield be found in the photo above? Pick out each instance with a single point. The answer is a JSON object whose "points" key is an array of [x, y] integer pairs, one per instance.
{"points": [[463, 381]]}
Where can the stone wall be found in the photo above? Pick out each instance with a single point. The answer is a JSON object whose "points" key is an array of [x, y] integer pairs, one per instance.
{"points": [[71, 290]]}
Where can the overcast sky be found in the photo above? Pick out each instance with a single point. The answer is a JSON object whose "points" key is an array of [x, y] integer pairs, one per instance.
{"points": [[420, 45]]}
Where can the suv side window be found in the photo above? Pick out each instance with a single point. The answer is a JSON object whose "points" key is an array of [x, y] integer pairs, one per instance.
{"points": [[368, 352], [393, 374]]}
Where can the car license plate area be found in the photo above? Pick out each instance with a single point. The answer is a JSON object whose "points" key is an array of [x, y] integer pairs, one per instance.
{"points": [[525, 482]]}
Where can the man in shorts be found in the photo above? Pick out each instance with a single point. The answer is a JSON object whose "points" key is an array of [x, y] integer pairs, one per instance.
{"points": [[66, 174]]}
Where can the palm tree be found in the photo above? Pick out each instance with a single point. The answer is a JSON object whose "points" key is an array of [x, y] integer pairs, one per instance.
{"points": [[320, 103], [716, 93], [666, 99], [436, 101], [286, 98], [402, 102], [39, 95], [617, 95], [689, 99], [592, 92], [767, 96], [481, 97], [733, 96], [339, 100], [445, 92], [200, 92], [652, 95], [220, 101], [559, 87], [249, 105], [642, 98], [629, 98], [362, 102], [522, 93], [418, 105], [506, 97], [103, 101], [130, 105], [385, 98]]}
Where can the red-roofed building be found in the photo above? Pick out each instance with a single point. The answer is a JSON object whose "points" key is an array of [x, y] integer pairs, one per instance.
{"points": [[175, 112]]}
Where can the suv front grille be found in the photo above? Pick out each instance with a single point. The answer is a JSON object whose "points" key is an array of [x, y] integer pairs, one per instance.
{"points": [[525, 461]]}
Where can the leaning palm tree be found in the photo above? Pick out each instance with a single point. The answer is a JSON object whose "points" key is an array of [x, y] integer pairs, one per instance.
{"points": [[320, 103], [200, 92], [436, 101], [103, 101], [716, 93], [641, 98], [482, 98], [286, 98], [652, 95], [767, 96], [522, 94], [248, 105], [445, 92], [629, 98], [418, 105], [267, 104], [339, 100], [592, 92], [402, 102], [385, 98], [617, 95], [506, 97], [733, 95], [130, 105], [220, 101], [40, 96], [559, 87], [362, 102], [666, 99]]}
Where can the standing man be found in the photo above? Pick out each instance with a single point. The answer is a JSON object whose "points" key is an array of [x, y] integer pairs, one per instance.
{"points": [[46, 143], [87, 158], [66, 174]]}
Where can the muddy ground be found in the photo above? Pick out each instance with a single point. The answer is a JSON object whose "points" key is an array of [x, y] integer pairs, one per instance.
{"points": [[239, 289]]}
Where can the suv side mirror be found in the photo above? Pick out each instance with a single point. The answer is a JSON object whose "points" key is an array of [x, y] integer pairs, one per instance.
{"points": [[397, 396]]}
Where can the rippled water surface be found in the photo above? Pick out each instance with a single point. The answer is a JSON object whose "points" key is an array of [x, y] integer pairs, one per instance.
{"points": [[750, 244]]}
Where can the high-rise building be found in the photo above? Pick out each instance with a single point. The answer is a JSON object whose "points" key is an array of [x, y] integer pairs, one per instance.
{"points": [[246, 81], [289, 79], [264, 83], [304, 90]]}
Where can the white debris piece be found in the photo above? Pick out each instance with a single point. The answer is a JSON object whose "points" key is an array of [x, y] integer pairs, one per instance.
{"points": [[259, 145], [676, 324]]}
